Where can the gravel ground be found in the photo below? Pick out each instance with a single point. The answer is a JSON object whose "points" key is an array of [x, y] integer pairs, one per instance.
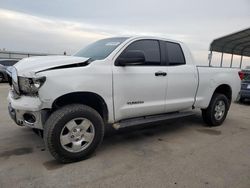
{"points": [[176, 153]]}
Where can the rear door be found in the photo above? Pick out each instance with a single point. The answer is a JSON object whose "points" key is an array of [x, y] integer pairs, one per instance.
{"points": [[138, 89], [182, 80]]}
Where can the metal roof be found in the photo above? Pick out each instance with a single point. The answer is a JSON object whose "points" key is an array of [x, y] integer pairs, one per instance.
{"points": [[236, 43]]}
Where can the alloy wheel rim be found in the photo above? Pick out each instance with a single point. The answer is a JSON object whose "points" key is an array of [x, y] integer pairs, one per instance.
{"points": [[77, 135], [220, 109]]}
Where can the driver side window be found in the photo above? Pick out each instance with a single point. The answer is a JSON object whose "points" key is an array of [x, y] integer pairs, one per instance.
{"points": [[150, 49]]}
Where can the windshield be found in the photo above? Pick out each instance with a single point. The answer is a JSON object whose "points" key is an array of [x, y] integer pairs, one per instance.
{"points": [[100, 49]]}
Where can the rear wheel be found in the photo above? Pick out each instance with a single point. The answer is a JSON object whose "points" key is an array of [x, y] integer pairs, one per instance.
{"points": [[217, 110], [73, 132]]}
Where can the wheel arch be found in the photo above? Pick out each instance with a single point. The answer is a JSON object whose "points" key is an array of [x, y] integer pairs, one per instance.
{"points": [[224, 89], [90, 99]]}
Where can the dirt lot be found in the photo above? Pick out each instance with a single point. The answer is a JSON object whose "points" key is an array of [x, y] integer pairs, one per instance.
{"points": [[177, 153]]}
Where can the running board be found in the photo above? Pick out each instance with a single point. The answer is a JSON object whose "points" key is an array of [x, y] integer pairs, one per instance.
{"points": [[151, 119]]}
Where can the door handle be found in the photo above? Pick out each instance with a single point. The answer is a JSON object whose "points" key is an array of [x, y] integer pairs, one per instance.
{"points": [[160, 73]]}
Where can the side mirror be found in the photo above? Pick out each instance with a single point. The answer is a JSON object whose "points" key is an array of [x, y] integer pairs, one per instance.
{"points": [[134, 57]]}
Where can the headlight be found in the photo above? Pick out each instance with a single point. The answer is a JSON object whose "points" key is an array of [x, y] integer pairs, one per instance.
{"points": [[12, 70], [30, 85]]}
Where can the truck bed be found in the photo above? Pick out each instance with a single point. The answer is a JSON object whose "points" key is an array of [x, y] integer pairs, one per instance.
{"points": [[212, 77]]}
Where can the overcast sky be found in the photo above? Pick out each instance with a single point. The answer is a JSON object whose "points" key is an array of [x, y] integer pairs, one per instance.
{"points": [[54, 26]]}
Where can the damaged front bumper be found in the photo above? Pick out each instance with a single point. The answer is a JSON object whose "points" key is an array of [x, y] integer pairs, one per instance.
{"points": [[26, 111]]}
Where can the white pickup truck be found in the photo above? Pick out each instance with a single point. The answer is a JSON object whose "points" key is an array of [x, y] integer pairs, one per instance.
{"points": [[123, 81]]}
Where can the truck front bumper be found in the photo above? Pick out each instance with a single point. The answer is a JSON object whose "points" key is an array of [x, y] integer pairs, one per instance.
{"points": [[26, 111]]}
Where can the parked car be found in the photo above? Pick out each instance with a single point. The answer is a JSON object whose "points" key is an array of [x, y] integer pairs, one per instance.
{"points": [[3, 74], [245, 84], [119, 81], [4, 63]]}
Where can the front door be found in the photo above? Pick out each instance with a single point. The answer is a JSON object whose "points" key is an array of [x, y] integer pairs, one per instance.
{"points": [[140, 90]]}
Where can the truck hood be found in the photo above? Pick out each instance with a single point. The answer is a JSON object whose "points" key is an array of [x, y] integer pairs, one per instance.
{"points": [[29, 66]]}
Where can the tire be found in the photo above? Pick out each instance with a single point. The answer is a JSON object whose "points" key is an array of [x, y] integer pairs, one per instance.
{"points": [[70, 118], [214, 115]]}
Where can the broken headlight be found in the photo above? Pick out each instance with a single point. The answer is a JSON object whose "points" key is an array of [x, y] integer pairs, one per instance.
{"points": [[13, 72], [30, 85]]}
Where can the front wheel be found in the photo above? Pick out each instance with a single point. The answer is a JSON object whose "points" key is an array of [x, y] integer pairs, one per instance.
{"points": [[217, 110], [73, 132]]}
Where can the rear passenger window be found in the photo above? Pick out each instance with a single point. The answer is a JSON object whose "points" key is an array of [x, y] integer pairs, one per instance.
{"points": [[174, 54], [150, 48]]}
